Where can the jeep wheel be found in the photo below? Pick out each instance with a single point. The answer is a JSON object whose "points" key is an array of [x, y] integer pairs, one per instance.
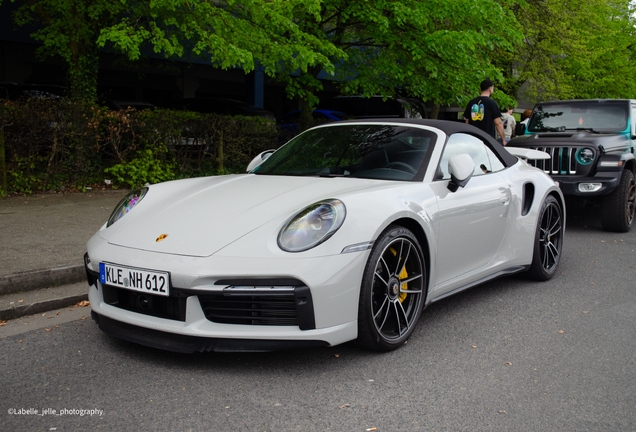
{"points": [[617, 212]]}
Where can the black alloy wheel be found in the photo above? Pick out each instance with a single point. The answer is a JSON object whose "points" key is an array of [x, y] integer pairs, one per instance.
{"points": [[617, 208], [393, 291], [548, 240]]}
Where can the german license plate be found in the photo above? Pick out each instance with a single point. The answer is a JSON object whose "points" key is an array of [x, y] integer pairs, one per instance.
{"points": [[147, 281]]}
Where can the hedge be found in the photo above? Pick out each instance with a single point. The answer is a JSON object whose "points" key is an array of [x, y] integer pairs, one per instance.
{"points": [[56, 145]]}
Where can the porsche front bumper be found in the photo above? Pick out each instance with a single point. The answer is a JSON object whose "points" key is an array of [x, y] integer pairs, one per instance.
{"points": [[325, 298]]}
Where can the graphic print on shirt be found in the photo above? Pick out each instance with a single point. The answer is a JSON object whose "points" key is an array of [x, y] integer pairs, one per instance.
{"points": [[477, 112]]}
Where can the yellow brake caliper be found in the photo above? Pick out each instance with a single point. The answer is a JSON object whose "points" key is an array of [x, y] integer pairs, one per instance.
{"points": [[403, 275]]}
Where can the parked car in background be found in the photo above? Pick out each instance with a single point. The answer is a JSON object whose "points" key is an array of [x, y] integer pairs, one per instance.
{"points": [[377, 107], [11, 90], [221, 106], [344, 233], [320, 115], [289, 122], [591, 147]]}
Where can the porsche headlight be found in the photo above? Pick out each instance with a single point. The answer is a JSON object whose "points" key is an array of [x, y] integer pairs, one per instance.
{"points": [[312, 226], [127, 204]]}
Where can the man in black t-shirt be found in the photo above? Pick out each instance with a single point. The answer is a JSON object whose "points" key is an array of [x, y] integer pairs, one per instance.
{"points": [[483, 112]]}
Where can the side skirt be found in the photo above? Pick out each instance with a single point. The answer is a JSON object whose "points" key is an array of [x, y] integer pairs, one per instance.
{"points": [[502, 273]]}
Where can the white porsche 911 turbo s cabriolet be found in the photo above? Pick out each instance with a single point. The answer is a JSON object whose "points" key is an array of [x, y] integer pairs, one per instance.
{"points": [[344, 233]]}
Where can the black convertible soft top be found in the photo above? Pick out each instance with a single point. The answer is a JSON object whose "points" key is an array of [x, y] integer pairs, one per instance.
{"points": [[449, 128]]}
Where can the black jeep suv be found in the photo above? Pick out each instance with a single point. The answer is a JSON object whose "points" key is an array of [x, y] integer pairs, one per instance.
{"points": [[591, 144]]}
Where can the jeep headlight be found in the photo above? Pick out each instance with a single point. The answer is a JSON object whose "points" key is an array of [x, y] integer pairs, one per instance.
{"points": [[126, 205], [585, 156], [312, 226]]}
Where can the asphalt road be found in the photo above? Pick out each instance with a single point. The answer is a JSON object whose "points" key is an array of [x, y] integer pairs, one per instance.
{"points": [[510, 355]]}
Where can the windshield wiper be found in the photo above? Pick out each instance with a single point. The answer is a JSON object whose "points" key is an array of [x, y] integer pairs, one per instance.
{"points": [[549, 129], [331, 175], [585, 130]]}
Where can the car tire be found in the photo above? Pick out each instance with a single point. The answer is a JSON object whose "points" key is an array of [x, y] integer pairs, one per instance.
{"points": [[548, 241], [393, 291], [617, 208]]}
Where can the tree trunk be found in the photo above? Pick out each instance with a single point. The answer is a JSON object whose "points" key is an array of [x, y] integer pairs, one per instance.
{"points": [[3, 164], [219, 153], [308, 100], [83, 70], [305, 120], [435, 111], [50, 164]]}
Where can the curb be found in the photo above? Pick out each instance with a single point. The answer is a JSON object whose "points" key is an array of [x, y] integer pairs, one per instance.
{"points": [[44, 306], [33, 280]]}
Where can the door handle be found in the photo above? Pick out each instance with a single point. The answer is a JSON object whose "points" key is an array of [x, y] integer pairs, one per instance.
{"points": [[504, 200]]}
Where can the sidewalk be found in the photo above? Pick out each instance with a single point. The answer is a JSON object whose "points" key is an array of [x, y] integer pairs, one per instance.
{"points": [[42, 244]]}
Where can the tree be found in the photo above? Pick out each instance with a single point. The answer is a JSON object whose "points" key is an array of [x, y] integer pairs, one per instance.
{"points": [[230, 33], [572, 49], [71, 29], [435, 50]]}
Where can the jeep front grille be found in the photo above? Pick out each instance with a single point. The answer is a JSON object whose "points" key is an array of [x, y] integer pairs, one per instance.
{"points": [[562, 160]]}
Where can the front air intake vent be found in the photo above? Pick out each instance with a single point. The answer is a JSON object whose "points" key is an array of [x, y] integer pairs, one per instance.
{"points": [[261, 305]]}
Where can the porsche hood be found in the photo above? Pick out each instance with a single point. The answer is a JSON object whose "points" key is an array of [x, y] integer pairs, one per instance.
{"points": [[199, 217]]}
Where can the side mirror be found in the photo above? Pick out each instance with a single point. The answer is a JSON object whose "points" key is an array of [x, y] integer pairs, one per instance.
{"points": [[461, 168], [520, 129], [259, 159]]}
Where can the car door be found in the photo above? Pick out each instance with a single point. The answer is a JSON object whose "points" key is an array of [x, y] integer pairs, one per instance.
{"points": [[473, 220]]}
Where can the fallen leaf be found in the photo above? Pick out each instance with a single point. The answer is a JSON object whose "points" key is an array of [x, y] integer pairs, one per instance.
{"points": [[336, 355], [20, 341], [2, 323], [43, 314], [57, 313], [371, 429], [561, 331], [83, 303], [20, 301], [592, 283], [84, 317], [344, 406], [50, 317], [508, 363], [586, 311], [57, 326], [47, 329], [502, 412], [474, 346]]}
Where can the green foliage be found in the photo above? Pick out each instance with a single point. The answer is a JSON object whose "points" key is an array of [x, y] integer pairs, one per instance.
{"points": [[574, 49], [148, 166], [23, 177], [437, 50], [231, 32]]}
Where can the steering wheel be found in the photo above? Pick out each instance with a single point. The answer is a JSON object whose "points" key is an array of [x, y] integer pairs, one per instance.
{"points": [[401, 166]]}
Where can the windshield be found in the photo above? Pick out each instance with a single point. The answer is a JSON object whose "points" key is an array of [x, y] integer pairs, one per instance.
{"points": [[372, 151], [592, 116]]}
